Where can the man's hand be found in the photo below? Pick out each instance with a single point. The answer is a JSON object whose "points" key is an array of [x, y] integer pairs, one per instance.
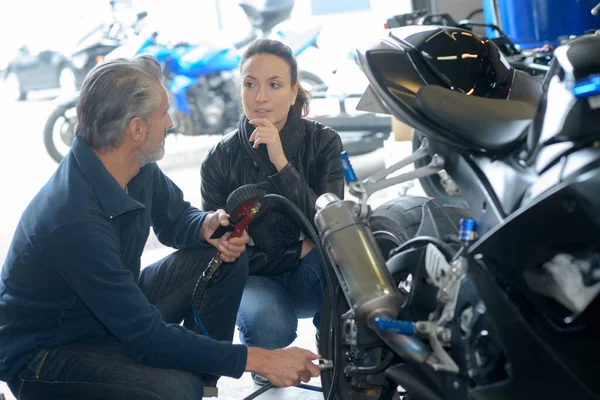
{"points": [[229, 249], [307, 246], [283, 367], [266, 133]]}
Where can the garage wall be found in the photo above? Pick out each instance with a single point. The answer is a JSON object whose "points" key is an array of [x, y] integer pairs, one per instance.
{"points": [[458, 9]]}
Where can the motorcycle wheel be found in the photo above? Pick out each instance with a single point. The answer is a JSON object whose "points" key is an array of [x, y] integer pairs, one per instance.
{"points": [[392, 224], [59, 131]]}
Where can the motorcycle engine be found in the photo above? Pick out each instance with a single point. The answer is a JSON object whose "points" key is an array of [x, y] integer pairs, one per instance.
{"points": [[475, 344], [461, 323], [214, 106]]}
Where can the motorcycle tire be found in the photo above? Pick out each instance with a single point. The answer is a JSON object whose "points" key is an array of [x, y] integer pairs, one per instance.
{"points": [[51, 147], [392, 224]]}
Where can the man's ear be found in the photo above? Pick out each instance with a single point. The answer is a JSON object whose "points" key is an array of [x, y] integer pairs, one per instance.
{"points": [[136, 129]]}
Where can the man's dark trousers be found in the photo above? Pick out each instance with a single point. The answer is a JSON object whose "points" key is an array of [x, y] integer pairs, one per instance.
{"points": [[101, 370]]}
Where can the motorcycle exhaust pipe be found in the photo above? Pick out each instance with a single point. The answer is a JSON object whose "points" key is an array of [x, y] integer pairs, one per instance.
{"points": [[362, 272], [356, 259]]}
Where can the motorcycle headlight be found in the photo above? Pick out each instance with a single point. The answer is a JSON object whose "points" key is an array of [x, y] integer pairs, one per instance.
{"points": [[79, 60]]}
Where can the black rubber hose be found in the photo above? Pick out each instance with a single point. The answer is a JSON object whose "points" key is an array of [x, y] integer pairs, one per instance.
{"points": [[308, 229], [474, 13], [258, 392]]}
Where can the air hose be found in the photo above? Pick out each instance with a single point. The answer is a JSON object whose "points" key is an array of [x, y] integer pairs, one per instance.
{"points": [[246, 203]]}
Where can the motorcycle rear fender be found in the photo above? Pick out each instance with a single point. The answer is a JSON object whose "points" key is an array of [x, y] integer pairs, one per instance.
{"points": [[178, 87]]}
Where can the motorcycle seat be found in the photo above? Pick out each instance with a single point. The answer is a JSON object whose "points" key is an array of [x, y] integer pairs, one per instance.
{"points": [[494, 125]]}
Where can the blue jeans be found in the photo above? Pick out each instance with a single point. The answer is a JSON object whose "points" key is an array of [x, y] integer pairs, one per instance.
{"points": [[271, 305], [101, 370]]}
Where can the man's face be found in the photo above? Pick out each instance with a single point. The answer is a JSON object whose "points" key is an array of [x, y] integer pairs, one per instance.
{"points": [[159, 122]]}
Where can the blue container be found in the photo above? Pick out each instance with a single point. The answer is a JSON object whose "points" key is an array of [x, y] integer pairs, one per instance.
{"points": [[533, 23]]}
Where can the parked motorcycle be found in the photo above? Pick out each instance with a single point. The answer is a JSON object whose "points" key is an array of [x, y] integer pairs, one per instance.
{"points": [[201, 79], [493, 298], [50, 69], [93, 47]]}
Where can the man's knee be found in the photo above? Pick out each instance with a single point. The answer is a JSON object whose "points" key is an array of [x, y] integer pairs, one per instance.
{"points": [[241, 268], [200, 259], [235, 273], [178, 384]]}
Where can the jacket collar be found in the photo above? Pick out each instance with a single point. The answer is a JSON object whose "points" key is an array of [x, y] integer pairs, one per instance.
{"points": [[291, 136], [113, 200]]}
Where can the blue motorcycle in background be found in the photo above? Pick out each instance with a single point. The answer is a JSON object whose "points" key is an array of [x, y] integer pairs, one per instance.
{"points": [[201, 78]]}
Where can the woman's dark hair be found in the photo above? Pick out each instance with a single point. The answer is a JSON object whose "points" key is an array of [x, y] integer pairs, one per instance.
{"points": [[276, 48]]}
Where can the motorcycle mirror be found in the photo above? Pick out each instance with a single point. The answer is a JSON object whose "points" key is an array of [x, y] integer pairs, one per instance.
{"points": [[371, 103]]}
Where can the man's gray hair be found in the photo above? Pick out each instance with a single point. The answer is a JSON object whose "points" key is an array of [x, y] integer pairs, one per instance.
{"points": [[112, 94]]}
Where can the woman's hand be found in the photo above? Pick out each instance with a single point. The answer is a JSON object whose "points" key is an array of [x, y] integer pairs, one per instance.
{"points": [[266, 133], [230, 249]]}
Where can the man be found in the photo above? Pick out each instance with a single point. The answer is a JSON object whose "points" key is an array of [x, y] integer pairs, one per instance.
{"points": [[77, 319]]}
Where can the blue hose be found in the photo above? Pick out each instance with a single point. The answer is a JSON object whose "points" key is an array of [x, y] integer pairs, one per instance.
{"points": [[201, 327]]}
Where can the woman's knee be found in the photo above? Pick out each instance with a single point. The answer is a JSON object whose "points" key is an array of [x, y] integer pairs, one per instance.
{"points": [[267, 326], [312, 267]]}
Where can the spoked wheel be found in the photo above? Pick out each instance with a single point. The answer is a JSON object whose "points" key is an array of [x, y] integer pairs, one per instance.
{"points": [[59, 131]]}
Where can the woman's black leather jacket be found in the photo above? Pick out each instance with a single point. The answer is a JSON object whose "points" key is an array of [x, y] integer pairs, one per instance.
{"points": [[315, 169]]}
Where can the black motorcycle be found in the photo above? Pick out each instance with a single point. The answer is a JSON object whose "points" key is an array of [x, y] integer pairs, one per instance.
{"points": [[493, 295]]}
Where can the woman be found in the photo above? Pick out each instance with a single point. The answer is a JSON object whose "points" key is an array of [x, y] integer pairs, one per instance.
{"points": [[293, 157]]}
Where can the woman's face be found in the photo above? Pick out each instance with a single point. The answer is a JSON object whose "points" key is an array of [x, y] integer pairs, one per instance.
{"points": [[267, 90]]}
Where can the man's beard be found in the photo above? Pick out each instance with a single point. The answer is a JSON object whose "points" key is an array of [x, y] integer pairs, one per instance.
{"points": [[158, 153]]}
